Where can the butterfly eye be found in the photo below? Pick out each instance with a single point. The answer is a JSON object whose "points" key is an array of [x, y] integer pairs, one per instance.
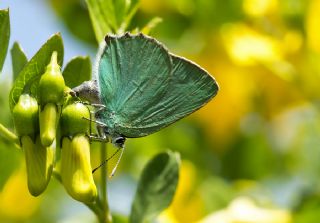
{"points": [[119, 141], [74, 93]]}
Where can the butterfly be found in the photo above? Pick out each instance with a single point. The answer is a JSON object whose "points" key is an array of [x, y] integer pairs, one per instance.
{"points": [[140, 88]]}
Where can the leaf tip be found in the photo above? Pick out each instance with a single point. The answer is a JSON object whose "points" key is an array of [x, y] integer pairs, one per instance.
{"points": [[5, 10]]}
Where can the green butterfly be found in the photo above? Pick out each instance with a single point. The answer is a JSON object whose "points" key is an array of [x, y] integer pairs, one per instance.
{"points": [[141, 88]]}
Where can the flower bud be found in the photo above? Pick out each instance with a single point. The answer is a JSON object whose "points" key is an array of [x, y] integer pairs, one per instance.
{"points": [[48, 123], [39, 162], [72, 119], [51, 85], [76, 172], [25, 116]]}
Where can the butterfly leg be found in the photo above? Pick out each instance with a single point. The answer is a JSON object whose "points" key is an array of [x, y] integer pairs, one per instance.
{"points": [[97, 108], [101, 136], [95, 121], [95, 105], [96, 138], [100, 106]]}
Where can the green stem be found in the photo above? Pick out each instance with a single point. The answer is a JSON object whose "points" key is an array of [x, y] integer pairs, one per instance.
{"points": [[106, 215], [92, 206], [8, 135]]}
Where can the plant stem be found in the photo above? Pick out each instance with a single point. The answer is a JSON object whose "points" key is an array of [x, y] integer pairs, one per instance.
{"points": [[106, 218], [8, 135]]}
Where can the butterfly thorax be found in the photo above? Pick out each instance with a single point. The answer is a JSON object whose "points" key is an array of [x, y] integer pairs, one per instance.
{"points": [[107, 129], [89, 91]]}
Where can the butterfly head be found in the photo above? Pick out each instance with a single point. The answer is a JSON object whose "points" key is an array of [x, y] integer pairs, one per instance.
{"points": [[118, 141]]}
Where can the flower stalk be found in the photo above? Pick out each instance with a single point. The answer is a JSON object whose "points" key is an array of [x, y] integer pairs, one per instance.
{"points": [[8, 135], [106, 215]]}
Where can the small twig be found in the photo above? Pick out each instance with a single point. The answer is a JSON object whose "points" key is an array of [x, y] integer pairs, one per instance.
{"points": [[9, 136]]}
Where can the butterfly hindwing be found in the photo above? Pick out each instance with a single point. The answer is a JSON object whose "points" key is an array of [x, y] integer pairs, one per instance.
{"points": [[189, 89]]}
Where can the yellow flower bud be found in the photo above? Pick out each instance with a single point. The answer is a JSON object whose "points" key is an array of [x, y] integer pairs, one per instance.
{"points": [[51, 84], [48, 123], [25, 116], [39, 162], [76, 172], [72, 119]]}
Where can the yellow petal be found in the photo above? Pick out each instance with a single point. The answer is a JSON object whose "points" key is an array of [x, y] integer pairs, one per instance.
{"points": [[76, 171], [39, 162]]}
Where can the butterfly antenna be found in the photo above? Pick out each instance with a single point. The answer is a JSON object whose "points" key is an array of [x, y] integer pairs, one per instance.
{"points": [[104, 162], [115, 167]]}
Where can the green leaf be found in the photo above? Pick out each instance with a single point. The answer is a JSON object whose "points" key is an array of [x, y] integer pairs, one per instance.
{"points": [[19, 59], [77, 71], [32, 71], [102, 17], [134, 5], [111, 16], [120, 9], [156, 187], [81, 27], [151, 24], [118, 218], [4, 35]]}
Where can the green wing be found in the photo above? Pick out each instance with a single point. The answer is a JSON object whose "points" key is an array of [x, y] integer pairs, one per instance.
{"points": [[190, 88], [145, 88], [133, 75]]}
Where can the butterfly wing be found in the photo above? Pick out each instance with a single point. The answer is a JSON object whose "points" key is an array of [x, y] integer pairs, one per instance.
{"points": [[189, 89], [133, 74]]}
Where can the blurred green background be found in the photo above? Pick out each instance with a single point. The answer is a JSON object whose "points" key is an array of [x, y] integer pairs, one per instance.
{"points": [[252, 155]]}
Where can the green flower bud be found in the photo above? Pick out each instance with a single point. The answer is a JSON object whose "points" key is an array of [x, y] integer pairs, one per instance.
{"points": [[51, 85], [72, 119], [39, 162], [76, 172], [25, 116], [48, 123]]}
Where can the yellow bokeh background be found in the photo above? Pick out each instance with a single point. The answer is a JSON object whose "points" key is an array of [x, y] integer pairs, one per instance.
{"points": [[251, 155]]}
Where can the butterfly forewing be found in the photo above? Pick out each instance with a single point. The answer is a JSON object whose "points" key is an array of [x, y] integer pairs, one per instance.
{"points": [[134, 72]]}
